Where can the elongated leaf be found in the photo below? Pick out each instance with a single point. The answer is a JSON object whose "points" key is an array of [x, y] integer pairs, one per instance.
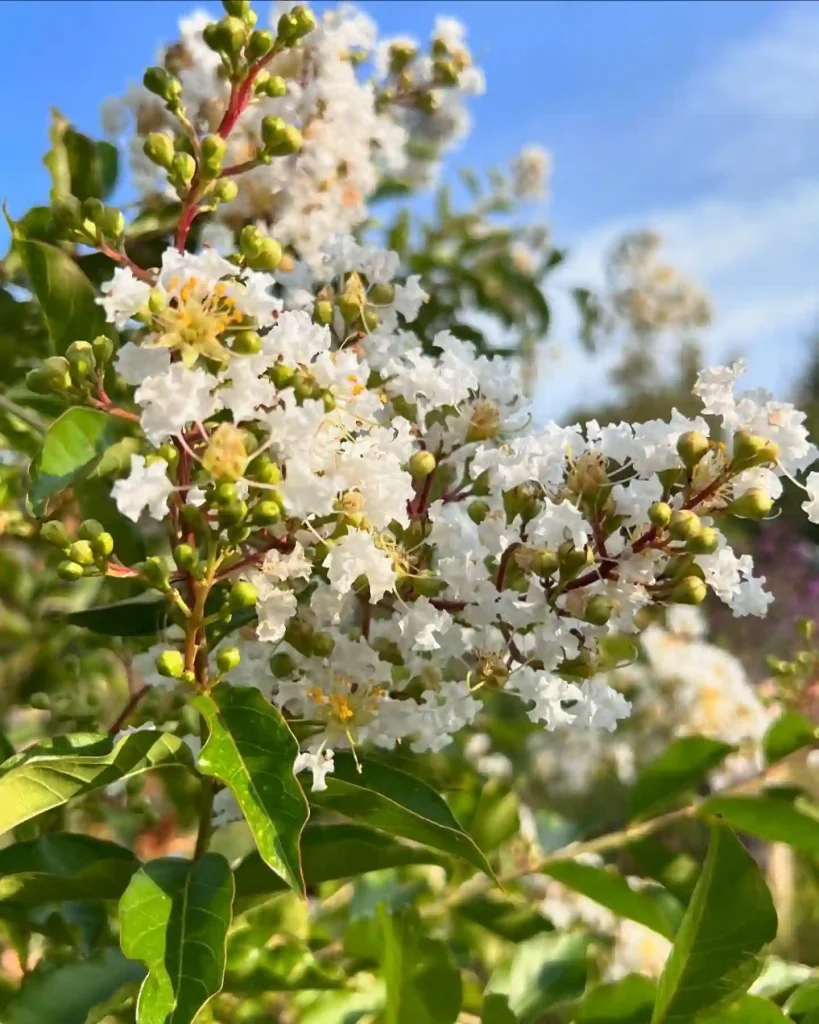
{"points": [[331, 852], [384, 798], [776, 820], [251, 750], [68, 994], [628, 1001], [423, 982], [71, 448], [51, 774], [542, 973], [141, 617], [677, 770], [65, 294], [496, 1010], [61, 866], [174, 917], [504, 918], [730, 919], [612, 891], [790, 732], [254, 969], [747, 1010], [805, 999]]}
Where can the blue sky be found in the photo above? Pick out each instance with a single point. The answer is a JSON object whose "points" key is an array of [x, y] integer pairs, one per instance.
{"points": [[697, 118]]}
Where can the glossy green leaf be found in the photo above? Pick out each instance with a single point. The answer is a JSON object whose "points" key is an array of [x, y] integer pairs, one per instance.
{"points": [[747, 1010], [66, 995], [504, 918], [331, 852], [544, 972], [71, 447], [729, 920], [496, 1010], [251, 749], [677, 770], [391, 800], [768, 817], [790, 732], [140, 617], [628, 1001], [610, 890], [423, 982], [175, 917], [63, 866], [66, 296], [805, 999], [48, 775]]}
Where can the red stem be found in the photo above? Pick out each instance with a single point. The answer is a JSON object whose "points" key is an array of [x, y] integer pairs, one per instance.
{"points": [[121, 257], [128, 710]]}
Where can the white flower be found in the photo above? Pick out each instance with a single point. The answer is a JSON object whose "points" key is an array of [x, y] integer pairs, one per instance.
{"points": [[281, 567], [811, 506], [357, 555], [319, 763], [530, 170], [135, 362], [122, 296], [276, 607], [144, 487], [175, 398]]}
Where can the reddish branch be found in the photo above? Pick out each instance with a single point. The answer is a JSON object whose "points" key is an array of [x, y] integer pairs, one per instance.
{"points": [[128, 710]]}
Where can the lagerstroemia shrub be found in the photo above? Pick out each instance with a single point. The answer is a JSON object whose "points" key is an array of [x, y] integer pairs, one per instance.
{"points": [[359, 546]]}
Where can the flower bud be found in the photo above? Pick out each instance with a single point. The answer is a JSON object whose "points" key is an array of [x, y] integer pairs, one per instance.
{"points": [[282, 664], [260, 44], [322, 644], [268, 257], [428, 102], [684, 525], [273, 86], [282, 375], [186, 557], [323, 312], [295, 24], [183, 168], [159, 149], [170, 664], [55, 371], [224, 191], [446, 72], [659, 514], [155, 572], [381, 294], [426, 585], [103, 349], [112, 222], [544, 562], [158, 81], [421, 464], [598, 610], [89, 529], [267, 513], [690, 590], [265, 471], [251, 240], [246, 343], [103, 545], [691, 447], [755, 503], [280, 138], [370, 319], [230, 34], [55, 533], [227, 658], [233, 515], [213, 147], [70, 571], [573, 560], [236, 8], [80, 356], [242, 595], [93, 209], [477, 511], [705, 542], [752, 450], [66, 212]]}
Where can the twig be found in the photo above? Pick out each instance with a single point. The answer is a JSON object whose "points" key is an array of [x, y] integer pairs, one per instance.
{"points": [[128, 710]]}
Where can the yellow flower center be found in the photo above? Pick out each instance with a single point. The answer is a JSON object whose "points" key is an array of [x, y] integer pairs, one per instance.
{"points": [[194, 320]]}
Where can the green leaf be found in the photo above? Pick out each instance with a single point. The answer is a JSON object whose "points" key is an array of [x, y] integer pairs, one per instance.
{"points": [[729, 920], [251, 749], [423, 982], [61, 866], [677, 770], [174, 917], [140, 617], [48, 775], [628, 1001], [72, 446], [611, 890], [770, 818], [805, 998], [504, 918], [391, 800], [66, 995], [790, 732], [542, 973], [496, 1010], [331, 852], [66, 296], [747, 1010], [253, 968]]}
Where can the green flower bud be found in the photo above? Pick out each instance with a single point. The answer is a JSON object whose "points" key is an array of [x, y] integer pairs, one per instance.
{"points": [[66, 212], [421, 464], [349, 308], [259, 44], [246, 343], [161, 83], [236, 8], [401, 56], [81, 552], [446, 72], [304, 386], [227, 658], [265, 471], [282, 375], [56, 371], [684, 525], [112, 222], [273, 86], [428, 102], [170, 664], [183, 168], [90, 528], [37, 382], [213, 147], [40, 701], [295, 24], [233, 514], [93, 209], [598, 610], [156, 573], [659, 514], [159, 149], [103, 349], [225, 190], [231, 34], [186, 557], [280, 138], [370, 319], [103, 545], [706, 542], [477, 511], [752, 450], [267, 513], [242, 595], [251, 240], [70, 571], [322, 644], [80, 356], [55, 533], [269, 257], [691, 590], [282, 664], [544, 562], [238, 532], [753, 504], [572, 560], [323, 312], [225, 493], [691, 447], [381, 294]]}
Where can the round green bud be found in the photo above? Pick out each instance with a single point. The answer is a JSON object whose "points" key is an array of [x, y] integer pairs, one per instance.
{"points": [[251, 240], [322, 644], [227, 658], [329, 400], [234, 513], [705, 542], [183, 167], [755, 503], [169, 452], [159, 149], [103, 349], [282, 664], [282, 375], [238, 533], [213, 147], [93, 209], [112, 222], [259, 44], [90, 528], [56, 371], [267, 513], [242, 595], [236, 8], [82, 552], [155, 572], [37, 382], [40, 701], [446, 72], [684, 525], [280, 138], [274, 86], [572, 560], [428, 102], [350, 309], [273, 130], [304, 386], [231, 34], [544, 562], [80, 356], [295, 24], [186, 557], [268, 257], [421, 464], [477, 511], [170, 664], [70, 570], [103, 545], [691, 447], [323, 313], [747, 447], [659, 514], [381, 294], [163, 84], [690, 590], [598, 610], [265, 471], [225, 493], [370, 319], [246, 343], [55, 533], [225, 190]]}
